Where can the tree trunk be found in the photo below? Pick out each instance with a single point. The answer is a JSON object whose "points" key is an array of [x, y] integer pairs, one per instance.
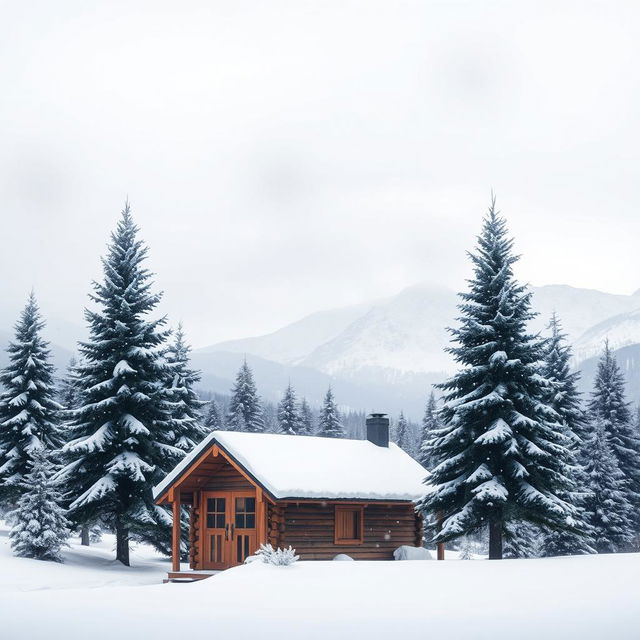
{"points": [[84, 535], [122, 542], [495, 540]]}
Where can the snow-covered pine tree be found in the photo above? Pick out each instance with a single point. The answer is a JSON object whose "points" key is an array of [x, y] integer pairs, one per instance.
{"points": [[607, 508], [213, 416], [430, 425], [121, 441], [69, 395], [185, 404], [402, 433], [270, 417], [245, 412], [330, 422], [69, 388], [500, 453], [306, 419], [564, 398], [28, 410], [288, 413], [608, 405], [40, 528]]}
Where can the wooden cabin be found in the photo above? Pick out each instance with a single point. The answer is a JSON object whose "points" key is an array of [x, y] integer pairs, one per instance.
{"points": [[322, 496]]}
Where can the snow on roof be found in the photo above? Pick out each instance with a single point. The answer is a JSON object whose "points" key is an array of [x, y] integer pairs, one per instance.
{"points": [[310, 467]]}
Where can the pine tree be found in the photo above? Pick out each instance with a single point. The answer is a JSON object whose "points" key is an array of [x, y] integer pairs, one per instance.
{"points": [[69, 395], [213, 417], [607, 508], [609, 406], [430, 425], [330, 422], [402, 433], [69, 387], [288, 414], [40, 528], [28, 411], [122, 441], [245, 412], [563, 396], [270, 417], [185, 404], [306, 419], [500, 453]]}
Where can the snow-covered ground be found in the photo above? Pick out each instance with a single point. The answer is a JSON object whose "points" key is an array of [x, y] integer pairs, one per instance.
{"points": [[92, 597], [83, 568]]}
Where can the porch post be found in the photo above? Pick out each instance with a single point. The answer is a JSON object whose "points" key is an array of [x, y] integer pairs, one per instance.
{"points": [[261, 518], [175, 538], [440, 545]]}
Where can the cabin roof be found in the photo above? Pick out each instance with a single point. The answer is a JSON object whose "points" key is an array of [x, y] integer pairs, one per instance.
{"points": [[308, 467]]}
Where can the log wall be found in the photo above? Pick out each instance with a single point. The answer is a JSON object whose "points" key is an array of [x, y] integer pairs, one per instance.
{"points": [[309, 529], [194, 532]]}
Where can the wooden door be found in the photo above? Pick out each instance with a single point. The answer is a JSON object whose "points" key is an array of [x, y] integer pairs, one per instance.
{"points": [[216, 529], [243, 526], [228, 528]]}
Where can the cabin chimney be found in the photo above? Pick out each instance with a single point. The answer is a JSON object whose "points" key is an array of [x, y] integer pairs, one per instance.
{"points": [[378, 429]]}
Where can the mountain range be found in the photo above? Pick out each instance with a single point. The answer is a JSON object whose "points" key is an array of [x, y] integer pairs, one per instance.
{"points": [[385, 354]]}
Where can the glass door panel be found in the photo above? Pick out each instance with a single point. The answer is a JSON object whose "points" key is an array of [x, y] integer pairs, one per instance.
{"points": [[244, 526], [215, 539]]}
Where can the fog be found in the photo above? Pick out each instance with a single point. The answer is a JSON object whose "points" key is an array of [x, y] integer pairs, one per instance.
{"points": [[285, 157]]}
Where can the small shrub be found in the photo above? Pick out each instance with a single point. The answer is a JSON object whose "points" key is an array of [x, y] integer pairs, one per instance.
{"points": [[278, 557]]}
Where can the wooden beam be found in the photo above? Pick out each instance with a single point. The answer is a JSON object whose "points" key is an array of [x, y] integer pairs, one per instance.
{"points": [[440, 545], [175, 539], [261, 518]]}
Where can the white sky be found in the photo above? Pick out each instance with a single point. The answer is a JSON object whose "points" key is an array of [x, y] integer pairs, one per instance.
{"points": [[284, 157]]}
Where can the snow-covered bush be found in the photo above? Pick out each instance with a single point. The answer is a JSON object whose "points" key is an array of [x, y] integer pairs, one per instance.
{"points": [[405, 552], [343, 556], [278, 557], [466, 549]]}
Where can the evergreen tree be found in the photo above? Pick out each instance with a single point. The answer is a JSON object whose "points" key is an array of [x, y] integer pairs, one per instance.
{"points": [[609, 406], [402, 433], [122, 438], [270, 417], [28, 411], [288, 414], [69, 395], [330, 422], [213, 417], [245, 412], [69, 387], [607, 509], [563, 396], [185, 404], [500, 454], [430, 425], [307, 427], [40, 528]]}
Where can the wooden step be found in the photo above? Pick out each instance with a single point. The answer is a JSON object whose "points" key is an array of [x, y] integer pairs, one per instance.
{"points": [[188, 576]]}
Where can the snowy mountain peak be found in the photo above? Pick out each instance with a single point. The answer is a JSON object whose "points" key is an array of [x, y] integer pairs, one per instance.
{"points": [[393, 338]]}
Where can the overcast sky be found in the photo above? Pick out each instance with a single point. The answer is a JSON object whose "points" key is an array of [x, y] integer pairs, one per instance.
{"points": [[285, 157]]}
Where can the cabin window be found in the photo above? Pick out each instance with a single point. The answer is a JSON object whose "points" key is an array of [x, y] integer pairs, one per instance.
{"points": [[245, 513], [216, 513], [349, 525]]}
